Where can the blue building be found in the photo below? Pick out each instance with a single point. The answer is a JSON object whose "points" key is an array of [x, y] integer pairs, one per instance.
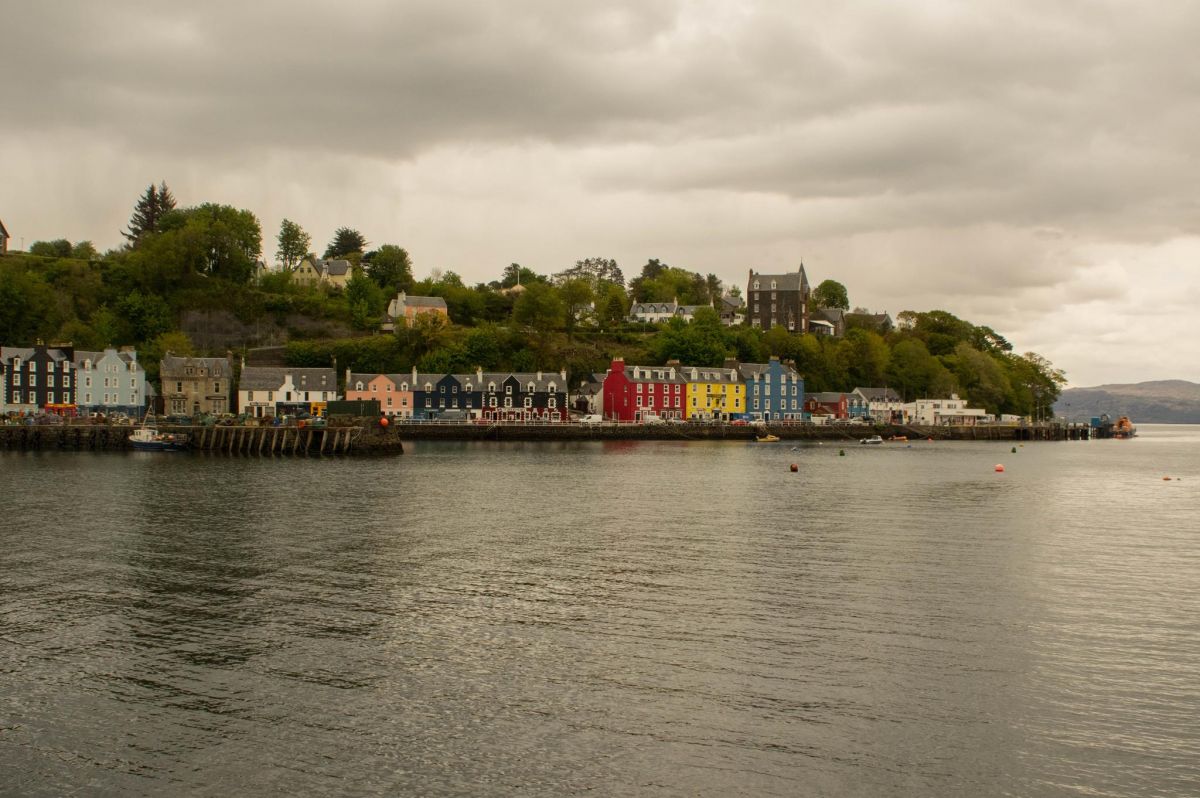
{"points": [[774, 391]]}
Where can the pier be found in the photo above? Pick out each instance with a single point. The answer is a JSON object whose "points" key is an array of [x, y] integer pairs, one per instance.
{"points": [[265, 441]]}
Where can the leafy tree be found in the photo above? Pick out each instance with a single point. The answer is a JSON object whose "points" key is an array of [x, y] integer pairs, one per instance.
{"points": [[516, 274], [27, 307], [345, 242], [700, 343], [612, 307], [145, 315], [390, 267], [540, 308], [60, 248], [366, 300], [830, 294], [293, 244], [214, 240], [712, 284], [151, 207], [865, 357], [577, 295], [981, 377], [594, 270], [84, 250]]}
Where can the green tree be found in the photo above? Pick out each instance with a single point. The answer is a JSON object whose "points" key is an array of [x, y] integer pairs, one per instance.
{"points": [[84, 250], [366, 300], [293, 244], [145, 315], [830, 294], [516, 274], [866, 357], [612, 306], [346, 241], [540, 308], [700, 343], [151, 207], [390, 267], [577, 296], [214, 240], [60, 248]]}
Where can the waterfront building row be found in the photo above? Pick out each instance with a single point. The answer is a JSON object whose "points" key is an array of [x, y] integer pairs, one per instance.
{"points": [[490, 396], [38, 377]]}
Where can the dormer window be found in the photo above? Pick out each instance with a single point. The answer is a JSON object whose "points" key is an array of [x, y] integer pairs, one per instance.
{"points": [[532, 387], [756, 285], [492, 387], [428, 387], [404, 386], [358, 385], [773, 285]]}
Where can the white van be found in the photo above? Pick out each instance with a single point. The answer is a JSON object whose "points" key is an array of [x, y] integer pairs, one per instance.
{"points": [[592, 419]]}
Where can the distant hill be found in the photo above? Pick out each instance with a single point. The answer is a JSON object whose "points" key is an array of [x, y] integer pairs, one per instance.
{"points": [[1159, 402]]}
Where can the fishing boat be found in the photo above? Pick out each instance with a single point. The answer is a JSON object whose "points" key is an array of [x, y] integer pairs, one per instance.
{"points": [[1124, 428], [874, 440], [148, 439], [767, 438]]}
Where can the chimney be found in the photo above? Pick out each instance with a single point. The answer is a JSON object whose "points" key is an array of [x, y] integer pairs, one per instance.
{"points": [[563, 374], [539, 376], [414, 378], [731, 363], [478, 374], [347, 378]]}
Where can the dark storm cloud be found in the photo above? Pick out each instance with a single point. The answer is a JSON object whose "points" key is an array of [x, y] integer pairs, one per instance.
{"points": [[1018, 160]]}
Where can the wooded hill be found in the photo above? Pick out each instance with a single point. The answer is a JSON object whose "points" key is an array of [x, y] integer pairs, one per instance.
{"points": [[188, 282]]}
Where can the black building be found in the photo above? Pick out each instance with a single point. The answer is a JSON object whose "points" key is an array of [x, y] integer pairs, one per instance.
{"points": [[778, 299]]}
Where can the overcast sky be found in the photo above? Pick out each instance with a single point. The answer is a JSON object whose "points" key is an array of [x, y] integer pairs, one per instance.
{"points": [[1031, 166]]}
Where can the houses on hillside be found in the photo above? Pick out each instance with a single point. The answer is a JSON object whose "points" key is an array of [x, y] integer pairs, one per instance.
{"points": [[778, 299], [313, 270], [404, 308]]}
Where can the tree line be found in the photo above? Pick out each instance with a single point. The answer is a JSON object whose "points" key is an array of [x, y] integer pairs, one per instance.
{"points": [[207, 257]]}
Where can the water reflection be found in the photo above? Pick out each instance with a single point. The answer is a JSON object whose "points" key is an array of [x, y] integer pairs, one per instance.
{"points": [[616, 617]]}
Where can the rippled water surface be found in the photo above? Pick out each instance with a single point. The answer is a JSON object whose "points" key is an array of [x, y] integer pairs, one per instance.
{"points": [[606, 619]]}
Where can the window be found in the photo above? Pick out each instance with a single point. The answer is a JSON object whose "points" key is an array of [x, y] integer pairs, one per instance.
{"points": [[217, 387], [508, 401], [454, 389], [32, 379], [639, 388], [373, 387], [179, 387], [529, 401], [404, 386], [492, 387], [441, 388], [387, 386], [16, 378], [532, 387], [756, 285], [552, 402], [755, 404], [508, 390], [132, 382], [358, 385]]}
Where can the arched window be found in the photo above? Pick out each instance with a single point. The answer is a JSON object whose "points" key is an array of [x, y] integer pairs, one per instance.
{"points": [[532, 387], [404, 386], [756, 285]]}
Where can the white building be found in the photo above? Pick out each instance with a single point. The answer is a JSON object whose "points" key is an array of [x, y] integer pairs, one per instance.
{"points": [[653, 312], [939, 412], [884, 405], [263, 389]]}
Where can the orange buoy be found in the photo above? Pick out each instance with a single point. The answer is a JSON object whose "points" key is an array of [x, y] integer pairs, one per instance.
{"points": [[999, 467], [383, 421], [1166, 479], [795, 467]]}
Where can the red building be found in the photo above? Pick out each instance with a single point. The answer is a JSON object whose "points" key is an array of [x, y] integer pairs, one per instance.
{"points": [[829, 403], [631, 393]]}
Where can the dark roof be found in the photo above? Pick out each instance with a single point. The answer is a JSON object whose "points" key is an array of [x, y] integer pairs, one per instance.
{"points": [[336, 267], [3, 229], [879, 394], [82, 355], [270, 378], [219, 366], [653, 307], [790, 281], [425, 302], [826, 396]]}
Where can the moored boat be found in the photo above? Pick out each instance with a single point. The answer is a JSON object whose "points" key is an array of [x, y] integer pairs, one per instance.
{"points": [[767, 438], [149, 439], [1124, 428], [873, 440]]}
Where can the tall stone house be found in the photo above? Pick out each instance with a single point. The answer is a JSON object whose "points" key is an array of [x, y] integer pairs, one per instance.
{"points": [[781, 299], [193, 385]]}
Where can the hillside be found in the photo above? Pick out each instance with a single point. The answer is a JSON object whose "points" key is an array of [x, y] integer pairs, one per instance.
{"points": [[1157, 402]]}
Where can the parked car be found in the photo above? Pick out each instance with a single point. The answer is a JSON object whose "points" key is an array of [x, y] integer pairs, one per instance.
{"points": [[593, 418], [738, 422]]}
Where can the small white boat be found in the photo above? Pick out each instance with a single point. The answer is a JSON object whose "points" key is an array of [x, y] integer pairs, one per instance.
{"points": [[149, 439], [874, 440]]}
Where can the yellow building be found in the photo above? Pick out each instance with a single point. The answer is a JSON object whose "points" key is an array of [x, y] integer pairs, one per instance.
{"points": [[713, 393]]}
